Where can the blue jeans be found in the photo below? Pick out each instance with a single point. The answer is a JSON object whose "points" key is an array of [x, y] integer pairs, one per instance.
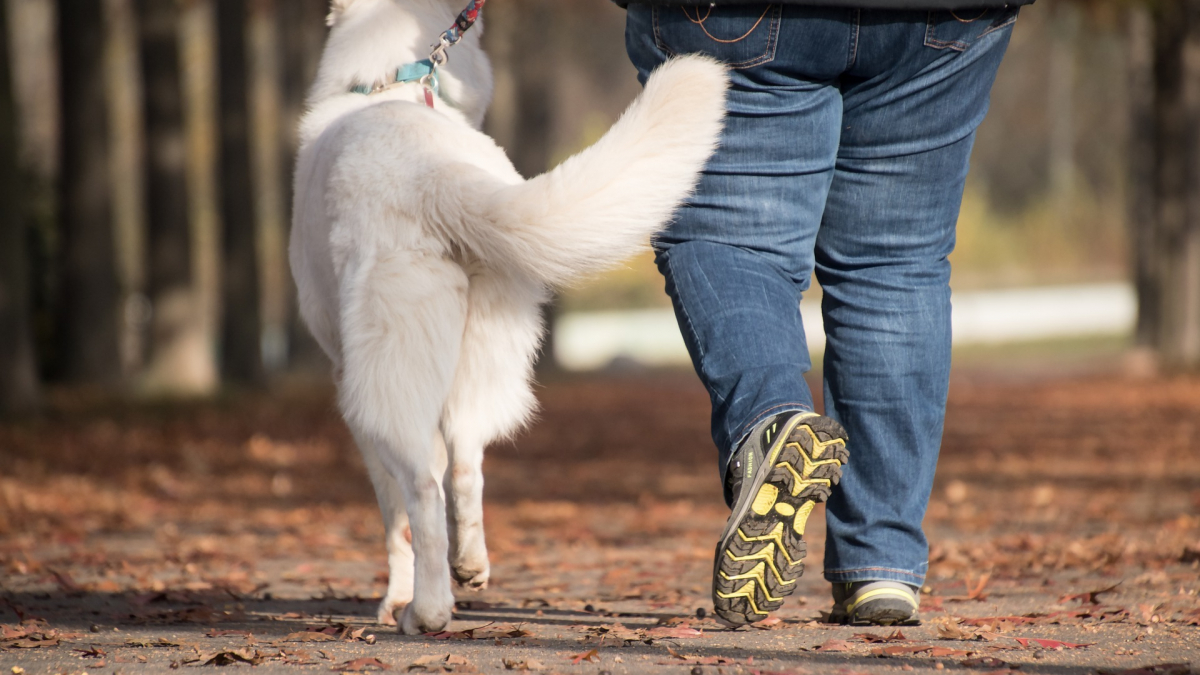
{"points": [[845, 153]]}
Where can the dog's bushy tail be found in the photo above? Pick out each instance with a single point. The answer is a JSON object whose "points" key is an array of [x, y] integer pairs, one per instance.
{"points": [[600, 206]]}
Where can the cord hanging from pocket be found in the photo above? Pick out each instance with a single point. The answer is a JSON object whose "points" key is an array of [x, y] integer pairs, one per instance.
{"points": [[700, 22]]}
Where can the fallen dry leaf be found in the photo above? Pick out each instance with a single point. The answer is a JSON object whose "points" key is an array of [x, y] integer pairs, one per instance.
{"points": [[309, 636], [876, 638], [951, 628], [298, 657], [589, 655], [944, 652], [161, 642], [834, 645], [900, 650], [984, 662], [976, 592], [615, 631], [1149, 612], [32, 634], [1090, 597], [31, 644], [362, 664], [1050, 644], [230, 658], [524, 664], [465, 634], [434, 664]]}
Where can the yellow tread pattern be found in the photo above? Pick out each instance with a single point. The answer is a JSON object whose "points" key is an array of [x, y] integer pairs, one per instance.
{"points": [[783, 504], [767, 555]]}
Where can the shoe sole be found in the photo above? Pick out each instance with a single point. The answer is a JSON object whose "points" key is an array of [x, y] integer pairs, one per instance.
{"points": [[879, 613], [878, 607], [761, 554]]}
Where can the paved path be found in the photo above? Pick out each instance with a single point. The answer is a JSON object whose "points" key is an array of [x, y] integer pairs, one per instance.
{"points": [[137, 541]]}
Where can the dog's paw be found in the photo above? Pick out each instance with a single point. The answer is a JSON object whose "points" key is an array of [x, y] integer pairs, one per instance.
{"points": [[389, 608], [415, 620], [471, 577]]}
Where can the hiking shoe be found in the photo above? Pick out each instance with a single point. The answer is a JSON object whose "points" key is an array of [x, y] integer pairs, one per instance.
{"points": [[785, 467], [874, 603]]}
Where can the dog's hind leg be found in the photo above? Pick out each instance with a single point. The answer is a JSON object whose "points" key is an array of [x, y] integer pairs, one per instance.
{"points": [[399, 536], [490, 399], [402, 325]]}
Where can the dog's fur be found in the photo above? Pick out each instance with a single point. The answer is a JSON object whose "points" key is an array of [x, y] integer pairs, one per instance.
{"points": [[422, 257]]}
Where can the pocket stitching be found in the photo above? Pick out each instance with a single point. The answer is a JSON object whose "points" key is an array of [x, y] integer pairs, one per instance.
{"points": [[767, 56], [960, 45], [931, 41]]}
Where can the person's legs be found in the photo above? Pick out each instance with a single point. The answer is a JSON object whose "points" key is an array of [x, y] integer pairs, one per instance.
{"points": [[740, 252], [918, 90], [736, 261], [859, 125]]}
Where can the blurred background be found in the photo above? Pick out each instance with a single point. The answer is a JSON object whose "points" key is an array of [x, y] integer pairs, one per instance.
{"points": [[169, 440], [146, 149]]}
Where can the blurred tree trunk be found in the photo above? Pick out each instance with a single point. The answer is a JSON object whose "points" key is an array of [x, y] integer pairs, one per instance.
{"points": [[1065, 21], [302, 29], [181, 359], [241, 333], [198, 48], [33, 52], [1172, 298], [1141, 165], [302, 26], [265, 75], [18, 372], [126, 154], [522, 121], [88, 309]]}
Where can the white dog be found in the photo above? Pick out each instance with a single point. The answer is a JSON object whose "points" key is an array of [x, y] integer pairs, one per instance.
{"points": [[422, 258]]}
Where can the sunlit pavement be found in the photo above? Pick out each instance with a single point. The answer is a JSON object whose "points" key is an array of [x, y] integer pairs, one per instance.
{"points": [[1065, 532]]}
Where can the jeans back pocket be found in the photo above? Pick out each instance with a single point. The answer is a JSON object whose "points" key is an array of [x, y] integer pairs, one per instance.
{"points": [[740, 36], [958, 30]]}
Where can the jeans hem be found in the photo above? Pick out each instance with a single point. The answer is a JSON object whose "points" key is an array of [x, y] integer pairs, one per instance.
{"points": [[773, 410], [875, 574]]}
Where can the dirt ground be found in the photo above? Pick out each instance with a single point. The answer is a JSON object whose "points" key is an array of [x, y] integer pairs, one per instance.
{"points": [[243, 534]]}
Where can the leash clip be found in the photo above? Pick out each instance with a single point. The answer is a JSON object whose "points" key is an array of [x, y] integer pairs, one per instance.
{"points": [[439, 56]]}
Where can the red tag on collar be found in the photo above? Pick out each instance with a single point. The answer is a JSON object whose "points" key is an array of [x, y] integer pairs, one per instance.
{"points": [[428, 97]]}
